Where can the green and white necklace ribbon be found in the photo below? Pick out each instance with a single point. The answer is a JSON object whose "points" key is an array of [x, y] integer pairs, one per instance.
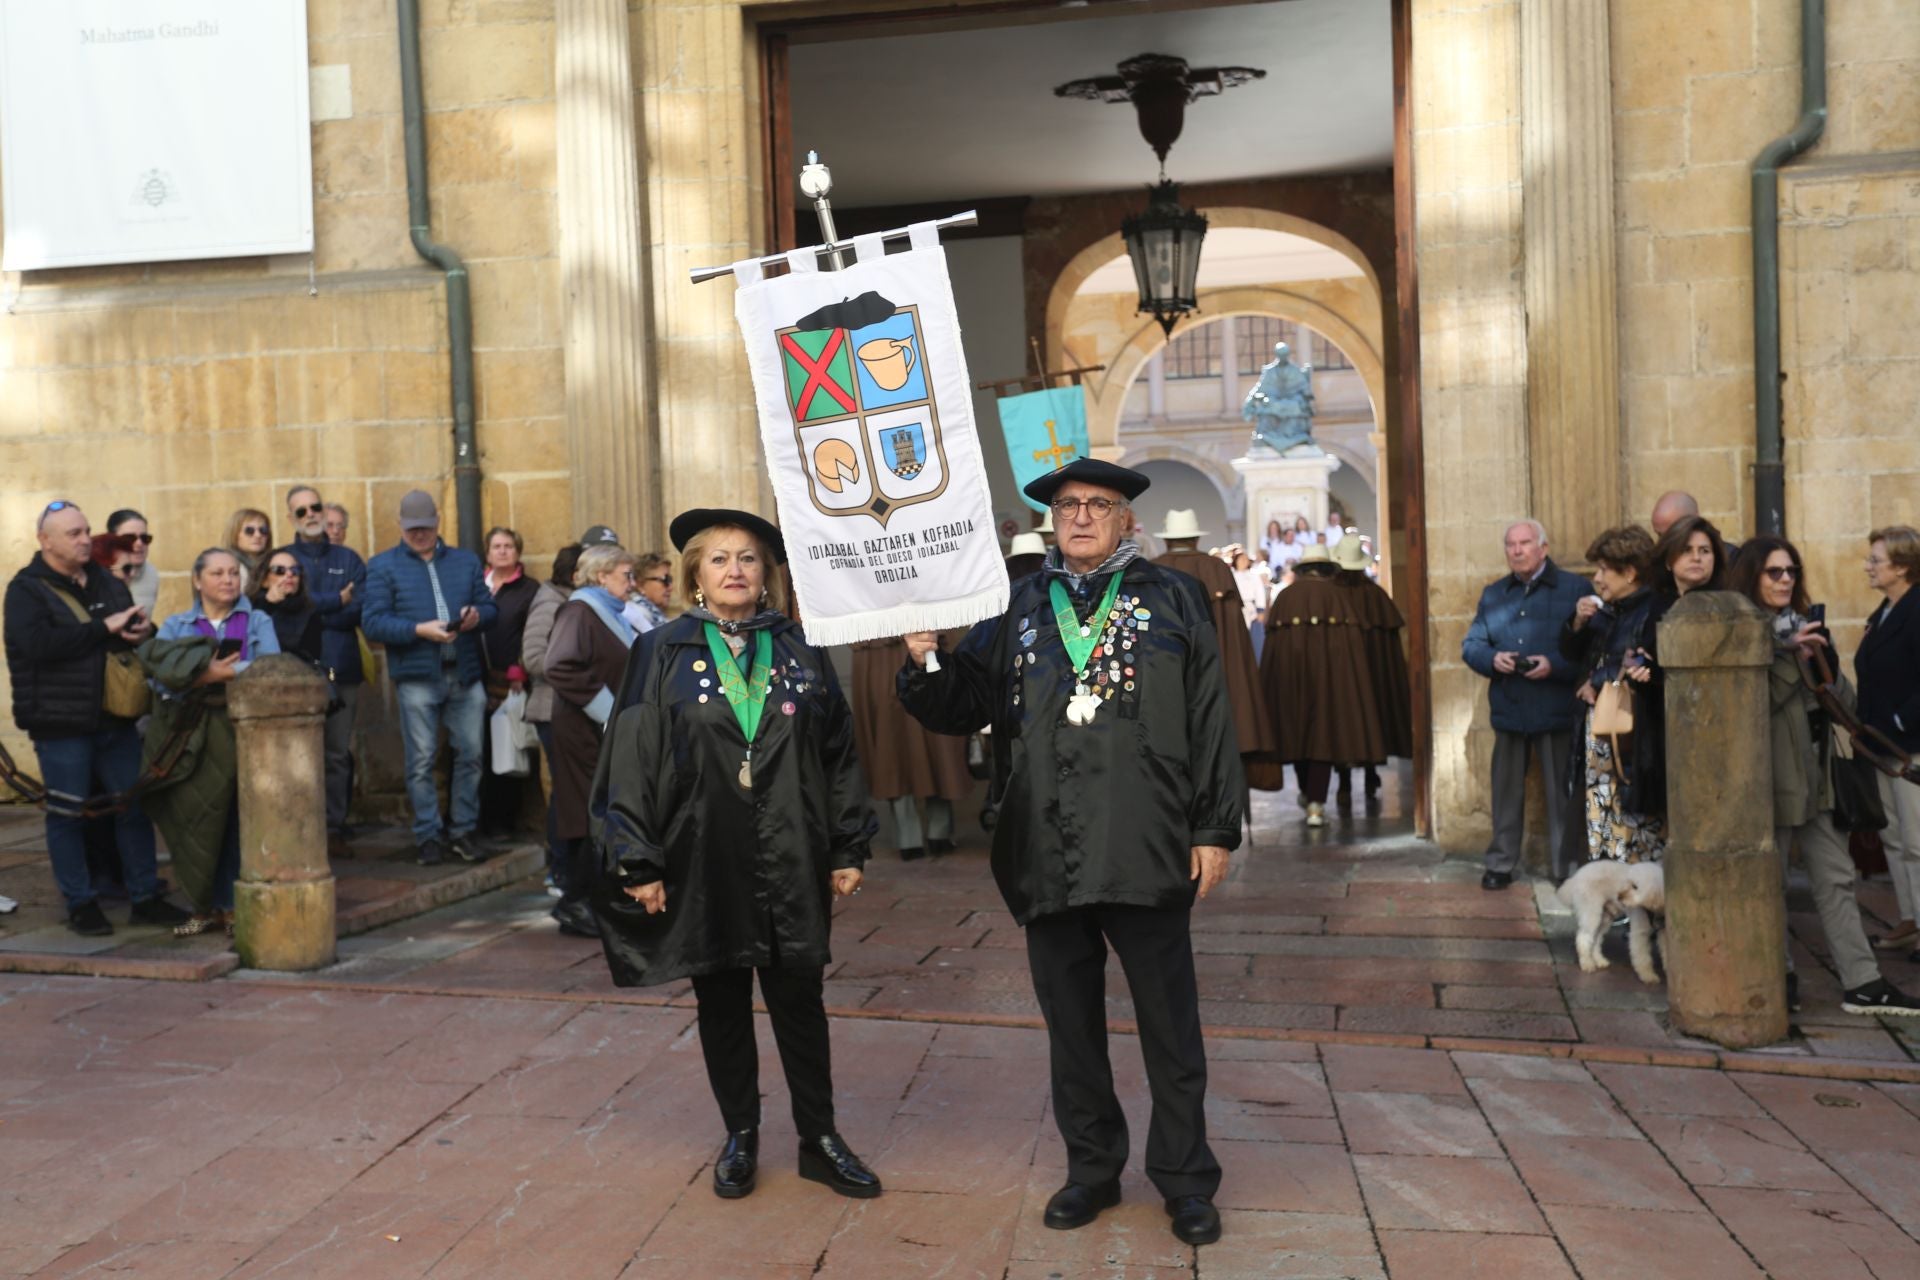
{"points": [[1079, 641], [746, 691]]}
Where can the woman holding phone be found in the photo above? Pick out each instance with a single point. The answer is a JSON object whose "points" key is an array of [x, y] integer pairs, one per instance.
{"points": [[197, 808], [1611, 633], [1769, 572]]}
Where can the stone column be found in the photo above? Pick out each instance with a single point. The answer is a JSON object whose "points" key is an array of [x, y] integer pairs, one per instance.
{"points": [[1573, 358], [603, 270], [1726, 906], [283, 904]]}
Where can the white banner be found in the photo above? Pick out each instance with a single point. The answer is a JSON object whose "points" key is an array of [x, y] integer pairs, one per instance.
{"points": [[152, 130], [866, 416]]}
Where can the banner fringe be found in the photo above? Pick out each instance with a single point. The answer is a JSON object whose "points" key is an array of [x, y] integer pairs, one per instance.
{"points": [[885, 624]]}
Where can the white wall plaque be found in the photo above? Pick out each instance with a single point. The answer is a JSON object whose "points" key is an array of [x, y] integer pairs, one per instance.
{"points": [[153, 130]]}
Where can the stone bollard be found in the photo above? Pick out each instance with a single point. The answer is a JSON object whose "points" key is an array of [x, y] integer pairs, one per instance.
{"points": [[1726, 907], [283, 904]]}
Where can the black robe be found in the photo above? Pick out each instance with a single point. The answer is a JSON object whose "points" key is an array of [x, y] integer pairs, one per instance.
{"points": [[1107, 812], [748, 872]]}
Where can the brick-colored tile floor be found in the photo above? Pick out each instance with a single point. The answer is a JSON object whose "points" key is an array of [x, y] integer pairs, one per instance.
{"points": [[1407, 1079]]}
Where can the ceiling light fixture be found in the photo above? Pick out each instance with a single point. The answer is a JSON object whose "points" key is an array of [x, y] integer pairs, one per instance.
{"points": [[1164, 241]]}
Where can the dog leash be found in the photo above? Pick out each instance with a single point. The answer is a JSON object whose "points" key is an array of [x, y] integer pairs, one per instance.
{"points": [[1869, 743]]}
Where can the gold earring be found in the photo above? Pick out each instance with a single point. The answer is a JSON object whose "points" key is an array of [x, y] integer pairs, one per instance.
{"points": [[763, 597], [699, 598]]}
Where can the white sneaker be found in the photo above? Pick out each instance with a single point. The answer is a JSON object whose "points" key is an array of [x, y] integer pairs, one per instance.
{"points": [[7, 905], [1316, 815]]}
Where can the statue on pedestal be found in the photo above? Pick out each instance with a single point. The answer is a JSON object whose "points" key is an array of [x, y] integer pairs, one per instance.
{"points": [[1280, 406]]}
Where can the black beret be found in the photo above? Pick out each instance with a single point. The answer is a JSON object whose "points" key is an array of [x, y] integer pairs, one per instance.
{"points": [[688, 523], [1130, 484]]}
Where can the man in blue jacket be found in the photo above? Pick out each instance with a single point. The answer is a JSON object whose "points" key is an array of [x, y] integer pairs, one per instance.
{"points": [[335, 578], [425, 600], [1514, 642]]}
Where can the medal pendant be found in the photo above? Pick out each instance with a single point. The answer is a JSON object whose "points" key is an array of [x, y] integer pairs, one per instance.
{"points": [[1082, 705], [746, 775]]}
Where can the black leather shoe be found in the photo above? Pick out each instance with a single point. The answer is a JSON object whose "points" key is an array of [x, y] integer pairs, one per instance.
{"points": [[829, 1160], [939, 848], [912, 853], [575, 919], [1195, 1220], [739, 1160], [1496, 880], [1077, 1204]]}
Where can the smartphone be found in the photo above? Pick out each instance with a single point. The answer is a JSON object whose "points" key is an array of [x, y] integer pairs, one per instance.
{"points": [[1817, 614], [1525, 665], [227, 649]]}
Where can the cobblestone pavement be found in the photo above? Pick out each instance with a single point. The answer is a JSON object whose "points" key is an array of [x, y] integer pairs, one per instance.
{"points": [[1408, 1079]]}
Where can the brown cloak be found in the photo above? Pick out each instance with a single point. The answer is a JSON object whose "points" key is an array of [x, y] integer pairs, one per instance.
{"points": [[1250, 719], [1334, 675], [898, 756], [584, 658]]}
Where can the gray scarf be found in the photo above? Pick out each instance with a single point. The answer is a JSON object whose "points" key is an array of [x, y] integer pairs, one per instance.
{"points": [[1055, 567]]}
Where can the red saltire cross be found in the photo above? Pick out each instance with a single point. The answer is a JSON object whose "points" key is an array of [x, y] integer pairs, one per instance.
{"points": [[816, 370]]}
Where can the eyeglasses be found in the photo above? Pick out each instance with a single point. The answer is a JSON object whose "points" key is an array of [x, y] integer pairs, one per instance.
{"points": [[1874, 562], [283, 570], [255, 530], [301, 513], [1782, 573], [144, 539], [666, 581], [1069, 508], [58, 505]]}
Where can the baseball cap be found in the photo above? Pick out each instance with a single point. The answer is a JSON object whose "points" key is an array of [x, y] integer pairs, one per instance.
{"points": [[418, 512], [599, 536]]}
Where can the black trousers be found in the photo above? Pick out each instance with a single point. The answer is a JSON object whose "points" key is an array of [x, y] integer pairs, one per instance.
{"points": [[799, 1016], [1068, 955]]}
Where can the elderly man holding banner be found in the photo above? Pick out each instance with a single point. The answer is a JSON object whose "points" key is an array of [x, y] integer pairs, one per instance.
{"points": [[1115, 751]]}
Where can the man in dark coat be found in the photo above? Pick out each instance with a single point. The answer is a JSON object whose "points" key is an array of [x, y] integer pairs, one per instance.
{"points": [[64, 616], [1514, 643], [335, 577], [1122, 795]]}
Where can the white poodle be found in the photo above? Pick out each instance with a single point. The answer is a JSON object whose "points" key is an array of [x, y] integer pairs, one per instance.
{"points": [[1604, 890]]}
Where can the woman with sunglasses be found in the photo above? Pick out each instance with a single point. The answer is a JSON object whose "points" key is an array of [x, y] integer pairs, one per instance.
{"points": [[249, 538], [1888, 666], [140, 577], [282, 595], [647, 606], [1769, 572]]}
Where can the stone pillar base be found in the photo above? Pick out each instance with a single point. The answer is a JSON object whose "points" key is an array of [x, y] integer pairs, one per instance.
{"points": [[286, 926], [1283, 487]]}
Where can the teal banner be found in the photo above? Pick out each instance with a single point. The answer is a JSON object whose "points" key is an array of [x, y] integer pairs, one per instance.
{"points": [[1045, 431]]}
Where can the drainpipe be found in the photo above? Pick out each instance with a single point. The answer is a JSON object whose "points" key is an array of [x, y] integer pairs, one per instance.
{"points": [[466, 454], [1769, 469]]}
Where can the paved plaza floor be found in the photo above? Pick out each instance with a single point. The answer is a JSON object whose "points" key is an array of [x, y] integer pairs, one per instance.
{"points": [[1408, 1078]]}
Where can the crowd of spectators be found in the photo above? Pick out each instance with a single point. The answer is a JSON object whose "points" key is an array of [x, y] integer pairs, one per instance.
{"points": [[101, 685]]}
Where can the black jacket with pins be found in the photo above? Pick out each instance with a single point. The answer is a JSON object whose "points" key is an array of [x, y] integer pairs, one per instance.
{"points": [[747, 872], [1107, 812]]}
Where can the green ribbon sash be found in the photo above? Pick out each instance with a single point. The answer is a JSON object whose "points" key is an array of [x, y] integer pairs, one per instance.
{"points": [[746, 690], [1079, 640]]}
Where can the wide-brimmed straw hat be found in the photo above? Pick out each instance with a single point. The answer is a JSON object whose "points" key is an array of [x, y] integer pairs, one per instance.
{"points": [[1182, 522]]}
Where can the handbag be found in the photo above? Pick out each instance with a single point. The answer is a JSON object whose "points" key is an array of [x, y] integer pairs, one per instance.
{"points": [[124, 692], [1613, 720], [508, 757], [1856, 791]]}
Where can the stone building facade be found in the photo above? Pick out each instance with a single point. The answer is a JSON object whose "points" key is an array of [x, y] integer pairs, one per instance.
{"points": [[1579, 235]]}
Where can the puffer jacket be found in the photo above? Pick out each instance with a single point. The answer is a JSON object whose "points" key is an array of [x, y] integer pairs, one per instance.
{"points": [[400, 597], [56, 662], [1525, 618]]}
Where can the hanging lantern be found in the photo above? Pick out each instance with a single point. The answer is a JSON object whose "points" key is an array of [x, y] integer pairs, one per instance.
{"points": [[1164, 245]]}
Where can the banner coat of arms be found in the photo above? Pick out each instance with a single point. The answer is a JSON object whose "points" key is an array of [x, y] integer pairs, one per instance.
{"points": [[866, 418]]}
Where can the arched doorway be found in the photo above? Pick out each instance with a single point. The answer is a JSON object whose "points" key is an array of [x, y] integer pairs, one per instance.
{"points": [[1184, 484]]}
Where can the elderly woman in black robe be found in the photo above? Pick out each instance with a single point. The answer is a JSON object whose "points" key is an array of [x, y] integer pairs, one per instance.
{"points": [[730, 809]]}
